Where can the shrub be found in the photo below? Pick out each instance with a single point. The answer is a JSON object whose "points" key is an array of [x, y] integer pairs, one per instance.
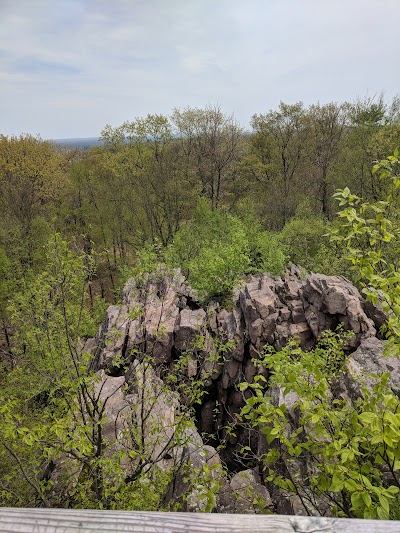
{"points": [[215, 249], [306, 242]]}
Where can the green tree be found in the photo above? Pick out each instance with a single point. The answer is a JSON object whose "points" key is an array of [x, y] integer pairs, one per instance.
{"points": [[305, 239], [372, 238], [210, 148], [216, 248], [212, 251], [372, 133], [49, 319], [280, 140], [328, 123], [338, 455], [31, 180], [141, 154], [60, 444]]}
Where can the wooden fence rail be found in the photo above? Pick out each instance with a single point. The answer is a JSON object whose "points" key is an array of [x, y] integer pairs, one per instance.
{"points": [[85, 521]]}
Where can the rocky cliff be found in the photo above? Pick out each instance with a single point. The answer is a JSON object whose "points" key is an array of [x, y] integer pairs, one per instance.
{"points": [[160, 320]]}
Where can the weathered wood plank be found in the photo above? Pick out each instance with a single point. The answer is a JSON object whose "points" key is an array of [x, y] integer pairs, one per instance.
{"points": [[85, 521]]}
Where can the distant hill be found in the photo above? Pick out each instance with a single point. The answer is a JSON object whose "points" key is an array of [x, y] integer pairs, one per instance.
{"points": [[84, 143]]}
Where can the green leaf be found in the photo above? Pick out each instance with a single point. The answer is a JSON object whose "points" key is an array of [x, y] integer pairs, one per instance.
{"points": [[337, 484], [388, 440], [366, 498], [351, 485], [367, 417], [382, 513], [357, 500], [392, 418], [384, 503]]}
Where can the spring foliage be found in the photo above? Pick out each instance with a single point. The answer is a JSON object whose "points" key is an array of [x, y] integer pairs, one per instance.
{"points": [[193, 191], [338, 454], [216, 249]]}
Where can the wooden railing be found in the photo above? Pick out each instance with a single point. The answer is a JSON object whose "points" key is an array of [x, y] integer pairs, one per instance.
{"points": [[85, 521]]}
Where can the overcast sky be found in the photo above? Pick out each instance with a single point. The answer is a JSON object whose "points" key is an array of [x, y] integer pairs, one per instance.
{"points": [[69, 67]]}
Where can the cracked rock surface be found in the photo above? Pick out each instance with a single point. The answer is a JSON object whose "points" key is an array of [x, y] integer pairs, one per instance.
{"points": [[161, 317]]}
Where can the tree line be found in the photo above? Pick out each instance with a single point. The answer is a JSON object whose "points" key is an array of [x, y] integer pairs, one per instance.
{"points": [[152, 170]]}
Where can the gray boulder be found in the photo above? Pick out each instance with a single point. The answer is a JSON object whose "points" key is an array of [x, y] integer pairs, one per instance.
{"points": [[245, 494], [190, 324], [369, 359], [331, 300]]}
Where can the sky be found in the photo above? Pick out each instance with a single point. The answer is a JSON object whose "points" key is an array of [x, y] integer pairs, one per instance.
{"points": [[69, 67]]}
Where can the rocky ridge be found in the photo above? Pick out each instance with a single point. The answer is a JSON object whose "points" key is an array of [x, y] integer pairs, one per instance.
{"points": [[160, 316]]}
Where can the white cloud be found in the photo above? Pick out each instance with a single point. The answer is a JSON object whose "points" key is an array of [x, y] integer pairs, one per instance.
{"points": [[67, 67]]}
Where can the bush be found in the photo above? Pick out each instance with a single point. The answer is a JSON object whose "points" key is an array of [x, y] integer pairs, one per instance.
{"points": [[266, 251], [215, 249], [212, 250], [306, 243], [371, 235]]}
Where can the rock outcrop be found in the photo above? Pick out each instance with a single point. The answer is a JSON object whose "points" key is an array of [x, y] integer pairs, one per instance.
{"points": [[161, 318], [245, 494], [369, 361]]}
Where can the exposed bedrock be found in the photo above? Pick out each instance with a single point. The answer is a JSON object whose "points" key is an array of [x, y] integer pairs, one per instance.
{"points": [[161, 317]]}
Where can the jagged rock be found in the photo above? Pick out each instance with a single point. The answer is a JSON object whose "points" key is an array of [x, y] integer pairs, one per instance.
{"points": [[302, 332], [259, 303], [298, 315], [291, 505], [111, 392], [161, 314], [230, 372], [246, 494], [284, 315], [212, 316], [281, 336], [258, 298], [253, 353], [161, 317], [90, 345], [168, 438], [291, 288], [290, 399], [212, 365], [331, 300], [207, 417], [159, 325], [157, 303], [202, 479], [155, 411], [369, 358], [113, 337], [190, 324], [375, 312], [250, 371], [200, 471], [192, 367], [231, 326]]}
